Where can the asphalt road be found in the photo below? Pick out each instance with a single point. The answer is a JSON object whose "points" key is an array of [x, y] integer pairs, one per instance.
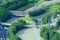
{"points": [[13, 18], [41, 5], [4, 28], [3, 32]]}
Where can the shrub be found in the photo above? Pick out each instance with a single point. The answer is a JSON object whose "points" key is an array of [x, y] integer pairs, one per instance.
{"points": [[46, 18], [55, 9], [41, 1], [38, 12], [16, 4], [49, 34], [4, 14], [13, 37], [14, 28], [13, 5], [58, 24], [17, 26], [45, 32]]}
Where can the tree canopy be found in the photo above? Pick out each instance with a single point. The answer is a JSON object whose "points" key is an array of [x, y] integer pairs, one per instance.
{"points": [[4, 14]]}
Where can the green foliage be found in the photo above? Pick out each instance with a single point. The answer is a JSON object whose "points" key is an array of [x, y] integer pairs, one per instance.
{"points": [[58, 24], [45, 33], [12, 36], [33, 1], [26, 7], [6, 1], [29, 5], [49, 34], [46, 18], [41, 1], [38, 12], [56, 36], [15, 27], [55, 9], [16, 4], [4, 14], [47, 0], [13, 5], [29, 19]]}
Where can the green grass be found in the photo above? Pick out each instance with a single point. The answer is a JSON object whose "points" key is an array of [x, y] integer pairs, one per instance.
{"points": [[41, 1], [28, 19]]}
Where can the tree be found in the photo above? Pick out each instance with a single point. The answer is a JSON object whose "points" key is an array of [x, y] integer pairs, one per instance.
{"points": [[58, 24], [56, 36], [15, 27], [38, 12], [45, 32], [4, 14], [46, 19], [55, 9], [49, 34], [15, 4]]}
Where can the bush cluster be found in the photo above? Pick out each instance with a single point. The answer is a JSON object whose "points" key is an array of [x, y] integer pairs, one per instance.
{"points": [[49, 34], [4, 14], [46, 18], [13, 5], [58, 24], [38, 12], [15, 27]]}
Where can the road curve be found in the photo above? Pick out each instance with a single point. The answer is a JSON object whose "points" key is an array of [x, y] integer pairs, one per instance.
{"points": [[41, 5]]}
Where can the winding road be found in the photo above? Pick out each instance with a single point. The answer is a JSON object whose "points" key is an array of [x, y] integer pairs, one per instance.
{"points": [[41, 5], [38, 17]]}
